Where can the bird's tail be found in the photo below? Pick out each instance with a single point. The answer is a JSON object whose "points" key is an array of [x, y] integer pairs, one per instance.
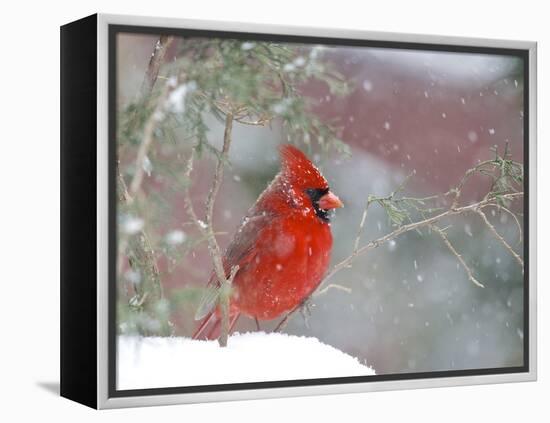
{"points": [[210, 326]]}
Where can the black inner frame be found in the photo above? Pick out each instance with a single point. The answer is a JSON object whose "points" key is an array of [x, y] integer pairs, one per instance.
{"points": [[113, 30]]}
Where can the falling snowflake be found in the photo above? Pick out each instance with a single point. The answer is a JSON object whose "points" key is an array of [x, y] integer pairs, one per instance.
{"points": [[247, 45], [175, 237], [367, 85], [131, 224]]}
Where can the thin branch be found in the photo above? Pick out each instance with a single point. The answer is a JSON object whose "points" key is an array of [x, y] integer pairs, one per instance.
{"points": [[429, 198], [331, 286], [347, 262], [389, 203], [282, 324], [451, 248], [206, 228], [157, 58], [458, 189], [500, 207], [401, 186], [189, 208], [123, 197], [146, 141], [262, 121], [361, 225], [303, 307], [214, 247], [499, 237], [412, 226]]}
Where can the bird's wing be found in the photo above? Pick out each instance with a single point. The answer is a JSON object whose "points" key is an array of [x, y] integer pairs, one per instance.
{"points": [[239, 252]]}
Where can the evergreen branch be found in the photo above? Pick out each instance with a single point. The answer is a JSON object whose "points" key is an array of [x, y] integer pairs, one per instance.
{"points": [[147, 139], [413, 226], [149, 291], [347, 262], [142, 259]]}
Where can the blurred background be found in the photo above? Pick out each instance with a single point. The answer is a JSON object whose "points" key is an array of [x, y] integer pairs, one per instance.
{"points": [[430, 114]]}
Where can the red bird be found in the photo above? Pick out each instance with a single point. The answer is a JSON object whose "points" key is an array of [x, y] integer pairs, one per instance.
{"points": [[282, 247]]}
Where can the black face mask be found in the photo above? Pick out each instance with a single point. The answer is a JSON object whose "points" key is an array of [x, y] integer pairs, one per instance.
{"points": [[315, 195]]}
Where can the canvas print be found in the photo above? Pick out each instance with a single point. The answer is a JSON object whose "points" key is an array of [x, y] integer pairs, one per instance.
{"points": [[298, 209]]}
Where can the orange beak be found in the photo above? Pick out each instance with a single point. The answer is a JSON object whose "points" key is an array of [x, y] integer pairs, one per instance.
{"points": [[330, 201]]}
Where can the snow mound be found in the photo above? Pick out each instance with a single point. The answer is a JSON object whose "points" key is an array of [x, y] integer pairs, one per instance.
{"points": [[249, 357]]}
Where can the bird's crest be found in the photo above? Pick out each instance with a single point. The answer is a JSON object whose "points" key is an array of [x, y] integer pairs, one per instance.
{"points": [[299, 170]]}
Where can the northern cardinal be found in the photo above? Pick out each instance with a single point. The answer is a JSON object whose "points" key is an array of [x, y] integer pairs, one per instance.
{"points": [[282, 247]]}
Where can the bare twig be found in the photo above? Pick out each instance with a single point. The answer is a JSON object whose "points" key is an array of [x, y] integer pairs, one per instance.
{"points": [[261, 121], [499, 237], [452, 249], [361, 225], [458, 189], [500, 207], [331, 286], [303, 307], [189, 208], [282, 324]]}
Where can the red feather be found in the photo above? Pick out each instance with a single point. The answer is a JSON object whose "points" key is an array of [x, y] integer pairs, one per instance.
{"points": [[282, 247]]}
